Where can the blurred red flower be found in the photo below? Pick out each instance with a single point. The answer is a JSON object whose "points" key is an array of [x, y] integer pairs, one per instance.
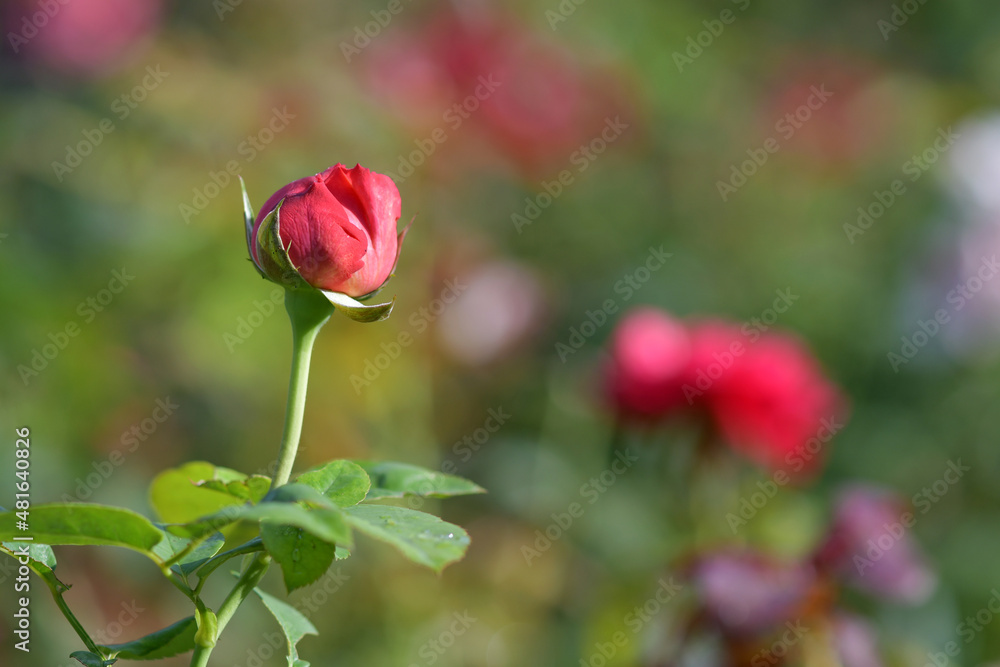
{"points": [[650, 352], [765, 394], [531, 98], [771, 400]]}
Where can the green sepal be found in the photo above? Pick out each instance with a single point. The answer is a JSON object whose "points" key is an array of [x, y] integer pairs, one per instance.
{"points": [[357, 311], [248, 218], [273, 256]]}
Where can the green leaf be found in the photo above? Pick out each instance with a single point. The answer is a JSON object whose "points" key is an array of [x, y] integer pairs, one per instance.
{"points": [[395, 480], [327, 524], [299, 493], [421, 537], [343, 482], [173, 545], [342, 553], [251, 489], [171, 640], [80, 523], [38, 553], [88, 659], [357, 311], [177, 498], [293, 623], [227, 475], [303, 557]]}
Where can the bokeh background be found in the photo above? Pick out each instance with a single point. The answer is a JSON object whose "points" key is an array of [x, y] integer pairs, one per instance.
{"points": [[123, 123]]}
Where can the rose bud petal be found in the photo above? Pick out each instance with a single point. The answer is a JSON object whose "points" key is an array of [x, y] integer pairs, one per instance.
{"points": [[338, 229], [869, 547], [650, 351]]}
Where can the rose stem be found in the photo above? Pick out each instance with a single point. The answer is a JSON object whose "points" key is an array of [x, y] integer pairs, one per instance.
{"points": [[308, 311]]}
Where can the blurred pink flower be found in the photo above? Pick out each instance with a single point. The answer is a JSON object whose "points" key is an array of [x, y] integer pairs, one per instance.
{"points": [[500, 307], [852, 123], [869, 546], [855, 641], [85, 36], [749, 594], [406, 75]]}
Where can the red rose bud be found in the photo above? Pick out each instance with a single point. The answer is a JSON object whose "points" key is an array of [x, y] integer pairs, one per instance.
{"points": [[335, 232], [650, 352]]}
